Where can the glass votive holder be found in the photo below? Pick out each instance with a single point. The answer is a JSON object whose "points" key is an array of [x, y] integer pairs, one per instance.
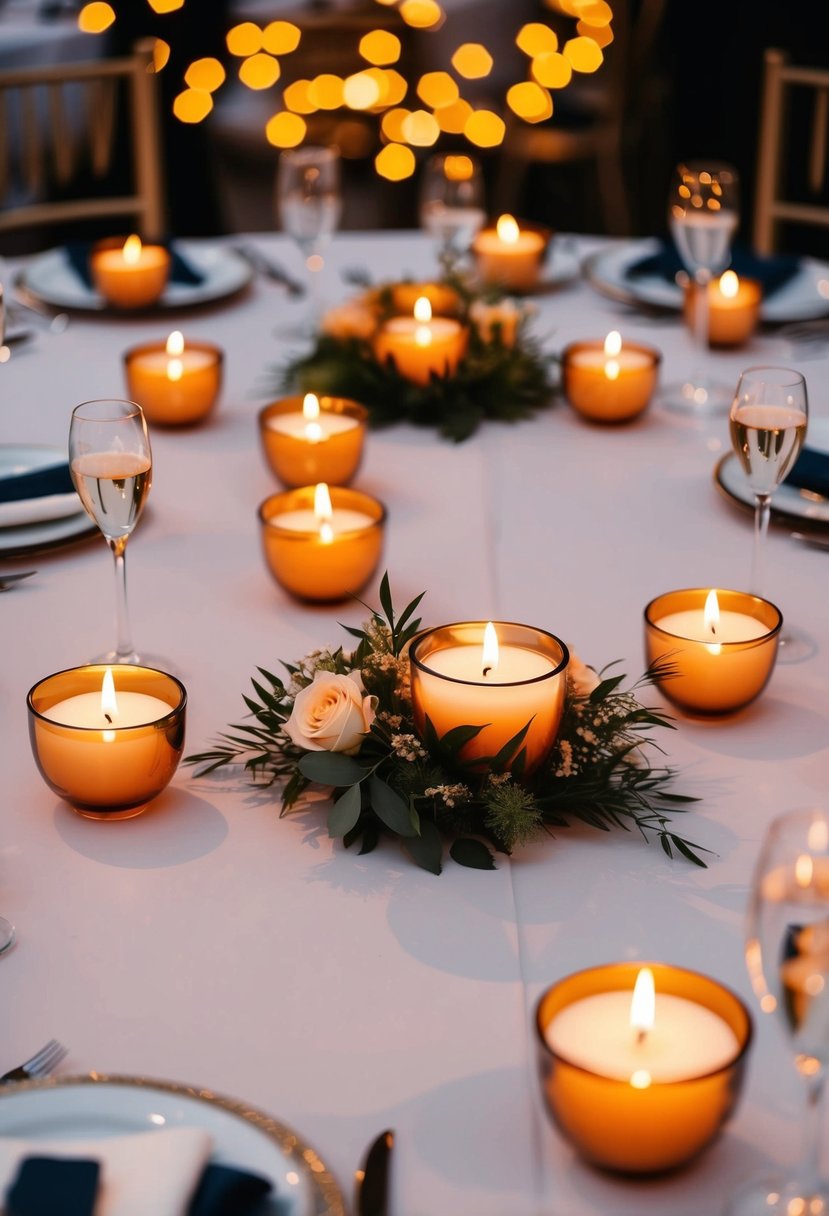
{"points": [[510, 254], [326, 448], [108, 758], [322, 560], [712, 672], [609, 388], [128, 274], [633, 1121], [453, 684], [733, 308], [174, 389]]}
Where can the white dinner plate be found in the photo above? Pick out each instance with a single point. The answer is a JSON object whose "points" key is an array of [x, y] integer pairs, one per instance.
{"points": [[24, 539], [804, 297], [97, 1107], [788, 502], [51, 280], [26, 458]]}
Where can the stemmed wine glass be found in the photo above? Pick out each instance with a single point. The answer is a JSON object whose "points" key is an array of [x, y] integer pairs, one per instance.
{"points": [[768, 420], [452, 204], [787, 954], [702, 215], [308, 204], [111, 465]]}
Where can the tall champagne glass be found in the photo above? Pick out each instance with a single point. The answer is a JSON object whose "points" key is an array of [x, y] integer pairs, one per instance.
{"points": [[787, 954], [768, 420], [111, 465], [309, 203], [452, 204], [702, 216]]}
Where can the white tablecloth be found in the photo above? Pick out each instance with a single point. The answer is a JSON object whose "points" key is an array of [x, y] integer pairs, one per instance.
{"points": [[211, 942]]}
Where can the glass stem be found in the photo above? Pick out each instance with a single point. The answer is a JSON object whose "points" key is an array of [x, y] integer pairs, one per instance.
{"points": [[123, 632], [808, 1176], [762, 510], [702, 278]]}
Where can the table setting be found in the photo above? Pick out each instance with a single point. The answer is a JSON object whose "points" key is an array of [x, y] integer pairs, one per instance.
{"points": [[463, 736]]}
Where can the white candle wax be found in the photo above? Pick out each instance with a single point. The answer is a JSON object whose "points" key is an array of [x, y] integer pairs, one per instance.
{"points": [[526, 242], [465, 663], [321, 428], [134, 709], [687, 1040], [342, 520], [158, 363], [626, 361], [731, 627]]}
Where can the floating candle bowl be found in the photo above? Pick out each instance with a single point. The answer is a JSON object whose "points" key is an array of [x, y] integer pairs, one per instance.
{"points": [[304, 447]]}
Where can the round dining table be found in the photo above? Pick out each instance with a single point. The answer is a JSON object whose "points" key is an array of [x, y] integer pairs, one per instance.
{"points": [[211, 942]]}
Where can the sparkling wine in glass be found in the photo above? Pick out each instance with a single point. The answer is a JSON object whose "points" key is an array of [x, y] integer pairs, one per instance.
{"points": [[787, 954], [309, 204], [702, 216], [452, 206], [768, 419], [111, 465]]}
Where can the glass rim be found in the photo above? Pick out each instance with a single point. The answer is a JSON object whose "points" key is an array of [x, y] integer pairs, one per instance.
{"points": [[310, 153], [156, 722], [133, 409], [421, 664], [794, 376], [771, 630]]}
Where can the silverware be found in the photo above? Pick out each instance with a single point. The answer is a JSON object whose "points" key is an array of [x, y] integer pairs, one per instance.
{"points": [[269, 269], [372, 1180], [42, 1064], [812, 539], [10, 580], [56, 322]]}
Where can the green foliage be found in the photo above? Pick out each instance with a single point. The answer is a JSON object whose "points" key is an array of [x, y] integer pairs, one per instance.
{"points": [[420, 790]]}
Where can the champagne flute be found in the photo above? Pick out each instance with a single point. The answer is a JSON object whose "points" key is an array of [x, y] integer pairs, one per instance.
{"points": [[111, 465], [787, 954], [308, 204], [768, 421], [702, 215], [452, 204]]}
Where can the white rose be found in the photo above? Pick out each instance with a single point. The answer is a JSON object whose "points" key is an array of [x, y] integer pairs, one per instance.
{"points": [[583, 679], [331, 714]]}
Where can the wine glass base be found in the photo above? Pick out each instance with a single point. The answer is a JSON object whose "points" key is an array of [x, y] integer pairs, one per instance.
{"points": [[133, 659], [7, 935], [794, 646], [773, 1195], [696, 398]]}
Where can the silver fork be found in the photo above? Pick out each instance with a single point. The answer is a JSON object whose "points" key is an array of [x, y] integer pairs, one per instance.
{"points": [[41, 1065], [10, 580]]}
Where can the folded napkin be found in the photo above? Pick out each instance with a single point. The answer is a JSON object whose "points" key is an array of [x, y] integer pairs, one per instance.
{"points": [[181, 271], [811, 472], [162, 1173], [771, 273], [38, 483]]}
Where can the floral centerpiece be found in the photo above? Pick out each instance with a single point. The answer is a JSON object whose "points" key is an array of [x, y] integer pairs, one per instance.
{"points": [[502, 374], [343, 720]]}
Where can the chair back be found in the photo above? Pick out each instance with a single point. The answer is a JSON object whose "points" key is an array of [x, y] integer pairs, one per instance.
{"points": [[772, 206], [61, 122]]}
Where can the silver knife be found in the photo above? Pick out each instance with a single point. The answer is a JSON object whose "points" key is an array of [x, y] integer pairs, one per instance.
{"points": [[372, 1179], [814, 539]]}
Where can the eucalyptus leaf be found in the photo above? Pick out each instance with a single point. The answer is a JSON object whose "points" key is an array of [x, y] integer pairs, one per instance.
{"points": [[345, 812], [427, 848], [467, 851], [331, 768], [391, 808]]}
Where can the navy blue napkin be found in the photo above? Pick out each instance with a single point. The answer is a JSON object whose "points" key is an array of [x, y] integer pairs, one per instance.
{"points": [[181, 271], [811, 472], [771, 273], [48, 1186], [36, 484]]}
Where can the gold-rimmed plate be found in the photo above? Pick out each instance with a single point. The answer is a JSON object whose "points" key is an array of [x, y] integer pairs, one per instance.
{"points": [[99, 1106]]}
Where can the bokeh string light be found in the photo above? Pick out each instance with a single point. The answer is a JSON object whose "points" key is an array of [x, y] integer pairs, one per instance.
{"points": [[411, 114]]}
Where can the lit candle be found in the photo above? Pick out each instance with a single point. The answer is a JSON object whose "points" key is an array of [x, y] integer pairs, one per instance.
{"points": [[502, 677], [641, 1065], [131, 275], [175, 384], [509, 256], [444, 300], [311, 439], [610, 381], [496, 322], [720, 644], [107, 739], [322, 544], [421, 346], [733, 308]]}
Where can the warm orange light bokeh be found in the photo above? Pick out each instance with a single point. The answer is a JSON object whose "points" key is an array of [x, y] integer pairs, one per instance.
{"points": [[421, 14], [472, 61], [583, 54], [244, 39], [380, 47], [205, 74], [437, 89], [551, 70], [395, 162], [285, 130], [280, 38], [193, 105], [259, 71], [529, 101], [536, 39], [96, 17], [485, 129]]}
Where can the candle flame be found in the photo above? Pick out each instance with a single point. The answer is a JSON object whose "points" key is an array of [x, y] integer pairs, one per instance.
{"points": [[508, 230], [310, 407], [818, 837], [612, 369], [109, 704], [613, 344], [711, 621], [643, 1003], [175, 343], [729, 284], [132, 250], [804, 870], [489, 654], [422, 310], [641, 1079]]}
